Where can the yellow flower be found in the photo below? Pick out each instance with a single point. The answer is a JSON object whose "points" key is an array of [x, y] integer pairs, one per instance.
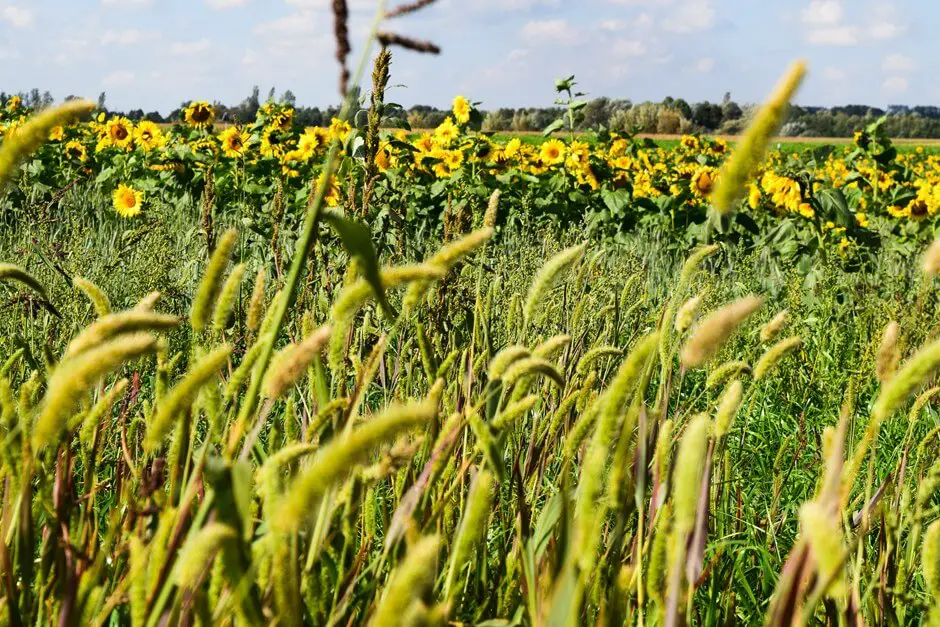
{"points": [[14, 103], [284, 120], [862, 220], [461, 110], [552, 152], [149, 136], [753, 196], [806, 210], [271, 143], [234, 142], [76, 150], [702, 181], [339, 129], [512, 148], [843, 245], [918, 209], [447, 132], [57, 133], [310, 140], [200, 114], [899, 212], [119, 132], [127, 201]]}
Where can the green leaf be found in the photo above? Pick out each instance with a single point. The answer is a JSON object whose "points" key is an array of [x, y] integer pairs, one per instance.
{"points": [[554, 126], [617, 200], [357, 240]]}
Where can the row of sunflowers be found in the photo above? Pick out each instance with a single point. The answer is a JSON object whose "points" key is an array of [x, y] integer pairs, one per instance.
{"points": [[822, 197]]}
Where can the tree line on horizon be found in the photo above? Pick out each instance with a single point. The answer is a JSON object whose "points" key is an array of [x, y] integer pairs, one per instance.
{"points": [[671, 116]]}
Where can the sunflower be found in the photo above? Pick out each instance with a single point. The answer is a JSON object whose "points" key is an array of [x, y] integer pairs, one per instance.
{"points": [[57, 133], [461, 110], [309, 142], [899, 212], [14, 103], [339, 129], [447, 132], [127, 201], [284, 120], [233, 141], [424, 143], [918, 209], [702, 182], [149, 136], [119, 132], [552, 152], [272, 144], [513, 147], [77, 151], [200, 114]]}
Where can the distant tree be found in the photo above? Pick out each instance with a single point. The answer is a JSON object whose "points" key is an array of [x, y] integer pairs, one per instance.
{"points": [[47, 99], [136, 115], [288, 98], [707, 115], [731, 111], [684, 109], [101, 101], [154, 116]]}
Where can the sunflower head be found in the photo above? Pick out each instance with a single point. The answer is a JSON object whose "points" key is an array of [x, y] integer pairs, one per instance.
{"points": [[702, 182], [233, 142], [200, 114], [14, 103], [119, 132], [461, 110], [127, 201], [149, 136], [552, 152], [76, 150], [284, 120]]}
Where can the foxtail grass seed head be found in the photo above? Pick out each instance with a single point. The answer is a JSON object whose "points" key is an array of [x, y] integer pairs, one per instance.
{"points": [[74, 377], [824, 532], [29, 137], [725, 371], [93, 419], [95, 294], [930, 558], [492, 210], [227, 297], [514, 411], [504, 359], [256, 304], [148, 302], [10, 272], [773, 356], [713, 331], [198, 552], [889, 353], [445, 259], [690, 465], [617, 396], [548, 348], [473, 526], [410, 582], [339, 457], [687, 314], [586, 363], [182, 396], [730, 402], [549, 276], [770, 331], [212, 279], [694, 261], [113, 325], [290, 364], [749, 153], [913, 374], [922, 401], [931, 263], [530, 366]]}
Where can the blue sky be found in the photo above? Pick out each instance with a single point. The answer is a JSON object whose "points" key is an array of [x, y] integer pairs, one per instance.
{"points": [[153, 54]]}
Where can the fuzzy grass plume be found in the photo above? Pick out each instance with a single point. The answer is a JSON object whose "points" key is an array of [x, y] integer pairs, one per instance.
{"points": [[410, 583], [10, 272], [290, 364], [95, 294], [472, 529], [712, 332], [212, 280], [889, 353], [74, 377], [728, 407], [113, 325], [913, 374], [29, 137], [338, 458], [773, 356], [227, 297], [770, 331], [182, 396], [749, 153], [548, 277]]}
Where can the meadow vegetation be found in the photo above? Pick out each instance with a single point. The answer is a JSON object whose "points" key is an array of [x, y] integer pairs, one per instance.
{"points": [[363, 386]]}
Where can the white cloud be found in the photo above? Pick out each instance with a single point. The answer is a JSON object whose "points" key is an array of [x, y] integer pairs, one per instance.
{"points": [[116, 79], [898, 63], [17, 16], [188, 48], [690, 16], [834, 36], [885, 31], [702, 66], [628, 48], [551, 32], [225, 4], [896, 84], [835, 74], [127, 3], [128, 37], [823, 13]]}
